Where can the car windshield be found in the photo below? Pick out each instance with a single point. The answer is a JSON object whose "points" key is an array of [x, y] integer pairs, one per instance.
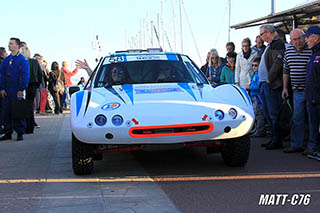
{"points": [[149, 71]]}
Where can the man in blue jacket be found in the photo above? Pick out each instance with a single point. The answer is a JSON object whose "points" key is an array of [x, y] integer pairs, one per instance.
{"points": [[312, 94], [14, 78]]}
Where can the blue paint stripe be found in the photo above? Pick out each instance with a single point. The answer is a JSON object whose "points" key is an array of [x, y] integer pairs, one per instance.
{"points": [[247, 95], [172, 57], [186, 87], [200, 90], [128, 88], [113, 91], [79, 100]]}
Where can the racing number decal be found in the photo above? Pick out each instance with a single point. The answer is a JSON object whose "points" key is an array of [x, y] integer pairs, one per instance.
{"points": [[115, 59]]}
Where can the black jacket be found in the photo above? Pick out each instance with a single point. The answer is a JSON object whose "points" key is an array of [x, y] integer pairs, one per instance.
{"points": [[53, 78], [312, 89], [204, 68], [35, 72], [274, 62]]}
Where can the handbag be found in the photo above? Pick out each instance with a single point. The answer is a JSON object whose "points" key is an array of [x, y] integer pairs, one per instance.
{"points": [[60, 85], [21, 109]]}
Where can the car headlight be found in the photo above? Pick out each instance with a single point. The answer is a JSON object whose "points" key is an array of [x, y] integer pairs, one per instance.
{"points": [[233, 113], [219, 114], [100, 120], [117, 120]]}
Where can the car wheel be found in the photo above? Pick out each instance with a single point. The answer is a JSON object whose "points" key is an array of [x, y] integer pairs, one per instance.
{"points": [[82, 157], [235, 151]]}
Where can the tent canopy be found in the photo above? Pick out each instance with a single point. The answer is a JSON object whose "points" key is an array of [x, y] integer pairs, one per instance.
{"points": [[301, 16]]}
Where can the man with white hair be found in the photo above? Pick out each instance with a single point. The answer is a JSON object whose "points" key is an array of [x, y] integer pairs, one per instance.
{"points": [[295, 60]]}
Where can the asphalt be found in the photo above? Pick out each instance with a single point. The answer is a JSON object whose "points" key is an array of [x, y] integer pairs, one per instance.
{"points": [[36, 176]]}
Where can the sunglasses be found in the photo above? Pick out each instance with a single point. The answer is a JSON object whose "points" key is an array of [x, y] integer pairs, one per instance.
{"points": [[117, 71], [255, 65]]}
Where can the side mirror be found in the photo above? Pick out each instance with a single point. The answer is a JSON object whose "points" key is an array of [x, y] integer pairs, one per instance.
{"points": [[73, 89]]}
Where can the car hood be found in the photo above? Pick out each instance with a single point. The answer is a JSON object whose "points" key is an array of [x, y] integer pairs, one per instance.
{"points": [[139, 94]]}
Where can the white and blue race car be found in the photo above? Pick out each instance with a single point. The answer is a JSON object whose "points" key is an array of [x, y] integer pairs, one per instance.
{"points": [[140, 100]]}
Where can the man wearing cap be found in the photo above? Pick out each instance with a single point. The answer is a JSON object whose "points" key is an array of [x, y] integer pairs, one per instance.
{"points": [[270, 76], [312, 89]]}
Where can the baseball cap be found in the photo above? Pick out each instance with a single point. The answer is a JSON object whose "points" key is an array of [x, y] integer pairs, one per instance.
{"points": [[312, 30]]}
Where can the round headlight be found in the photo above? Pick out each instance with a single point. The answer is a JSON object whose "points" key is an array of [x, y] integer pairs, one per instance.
{"points": [[219, 114], [117, 120], [100, 120], [233, 113]]}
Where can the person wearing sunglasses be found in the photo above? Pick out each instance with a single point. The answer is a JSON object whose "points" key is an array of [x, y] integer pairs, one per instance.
{"points": [[118, 75]]}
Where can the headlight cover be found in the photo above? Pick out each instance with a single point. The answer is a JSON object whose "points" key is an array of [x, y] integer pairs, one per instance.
{"points": [[233, 113], [100, 120], [219, 114], [117, 120]]}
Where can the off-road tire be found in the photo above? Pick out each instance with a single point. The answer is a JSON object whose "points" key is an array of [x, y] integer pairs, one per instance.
{"points": [[235, 151], [82, 157]]}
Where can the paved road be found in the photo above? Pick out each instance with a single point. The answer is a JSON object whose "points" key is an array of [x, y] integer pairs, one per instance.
{"points": [[36, 176]]}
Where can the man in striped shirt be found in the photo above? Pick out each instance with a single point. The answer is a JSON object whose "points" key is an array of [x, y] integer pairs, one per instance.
{"points": [[295, 67]]}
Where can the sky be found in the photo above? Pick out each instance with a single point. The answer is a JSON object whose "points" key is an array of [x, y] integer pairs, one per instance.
{"points": [[63, 30]]}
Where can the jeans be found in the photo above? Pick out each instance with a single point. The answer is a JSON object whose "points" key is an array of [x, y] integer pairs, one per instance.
{"points": [[298, 118], [264, 104], [36, 103], [271, 102], [259, 117], [67, 100], [314, 121]]}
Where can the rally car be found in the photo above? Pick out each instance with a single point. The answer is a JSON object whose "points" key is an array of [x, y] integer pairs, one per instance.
{"points": [[149, 99]]}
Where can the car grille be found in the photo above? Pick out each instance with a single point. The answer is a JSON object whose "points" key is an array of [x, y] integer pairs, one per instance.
{"points": [[171, 130]]}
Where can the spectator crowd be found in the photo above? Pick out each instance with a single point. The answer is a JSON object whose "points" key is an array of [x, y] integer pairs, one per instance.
{"points": [[23, 76], [281, 78]]}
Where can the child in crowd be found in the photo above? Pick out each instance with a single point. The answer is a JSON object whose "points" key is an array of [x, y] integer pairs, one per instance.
{"points": [[254, 89], [228, 73]]}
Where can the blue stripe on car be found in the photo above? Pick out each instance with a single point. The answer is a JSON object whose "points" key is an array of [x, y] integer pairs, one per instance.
{"points": [[238, 89], [128, 88], [113, 91], [247, 95], [79, 100], [200, 87], [172, 57], [186, 87], [88, 101]]}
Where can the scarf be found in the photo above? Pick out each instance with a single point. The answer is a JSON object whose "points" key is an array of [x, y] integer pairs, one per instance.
{"points": [[246, 55]]}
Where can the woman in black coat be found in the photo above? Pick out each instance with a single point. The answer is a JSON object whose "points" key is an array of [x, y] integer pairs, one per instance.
{"points": [[56, 76]]}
